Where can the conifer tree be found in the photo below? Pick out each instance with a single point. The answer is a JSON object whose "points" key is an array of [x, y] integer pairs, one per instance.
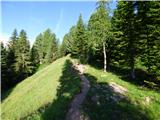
{"points": [[149, 34], [125, 26], [46, 48], [11, 57], [35, 58], [99, 29], [81, 40], [70, 39], [52, 49], [65, 46], [23, 64], [38, 47], [4, 79]]}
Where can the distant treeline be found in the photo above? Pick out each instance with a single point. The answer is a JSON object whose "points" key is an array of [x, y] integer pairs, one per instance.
{"points": [[19, 60]]}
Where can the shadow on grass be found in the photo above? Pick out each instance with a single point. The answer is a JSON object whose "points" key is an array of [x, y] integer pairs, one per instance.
{"points": [[5, 94], [142, 77], [68, 88], [110, 105]]}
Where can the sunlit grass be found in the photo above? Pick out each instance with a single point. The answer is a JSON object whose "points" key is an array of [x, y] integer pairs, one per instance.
{"points": [[34, 92], [136, 94]]}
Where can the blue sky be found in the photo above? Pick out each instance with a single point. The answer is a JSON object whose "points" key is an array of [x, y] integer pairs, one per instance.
{"points": [[35, 17]]}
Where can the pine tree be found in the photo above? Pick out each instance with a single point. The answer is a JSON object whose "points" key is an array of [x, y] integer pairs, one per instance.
{"points": [[81, 40], [65, 47], [149, 33], [52, 49], [99, 29], [11, 57], [125, 26], [12, 46], [46, 48], [70, 39], [4, 79], [23, 64], [69, 42], [38, 47], [35, 58]]}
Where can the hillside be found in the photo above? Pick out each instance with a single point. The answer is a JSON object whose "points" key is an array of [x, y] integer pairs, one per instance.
{"points": [[96, 60], [104, 102], [35, 97], [48, 94]]}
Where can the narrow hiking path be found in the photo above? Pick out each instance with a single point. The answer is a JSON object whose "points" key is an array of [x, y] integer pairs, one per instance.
{"points": [[74, 112]]}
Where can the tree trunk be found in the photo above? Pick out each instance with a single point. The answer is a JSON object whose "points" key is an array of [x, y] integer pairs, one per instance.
{"points": [[105, 60], [133, 74]]}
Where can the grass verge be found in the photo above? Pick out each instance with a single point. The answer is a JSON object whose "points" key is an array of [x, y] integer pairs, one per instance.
{"points": [[133, 107]]}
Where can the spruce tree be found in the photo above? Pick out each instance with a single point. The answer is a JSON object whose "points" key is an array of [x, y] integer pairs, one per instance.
{"points": [[11, 57], [81, 40], [46, 48], [71, 41], [99, 29], [149, 34], [35, 58], [65, 46], [125, 26], [4, 79], [23, 64], [38, 47], [52, 49]]}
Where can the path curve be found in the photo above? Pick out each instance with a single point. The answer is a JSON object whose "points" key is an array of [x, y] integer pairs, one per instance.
{"points": [[74, 112]]}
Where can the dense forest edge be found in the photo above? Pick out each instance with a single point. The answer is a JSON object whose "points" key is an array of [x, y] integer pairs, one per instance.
{"points": [[123, 48]]}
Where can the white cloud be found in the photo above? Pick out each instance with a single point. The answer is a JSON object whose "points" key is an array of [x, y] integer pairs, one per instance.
{"points": [[59, 21]]}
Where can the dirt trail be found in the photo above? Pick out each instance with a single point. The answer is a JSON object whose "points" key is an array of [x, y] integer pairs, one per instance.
{"points": [[74, 112]]}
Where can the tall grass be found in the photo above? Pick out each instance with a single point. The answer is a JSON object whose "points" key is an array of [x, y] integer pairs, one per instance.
{"points": [[34, 92]]}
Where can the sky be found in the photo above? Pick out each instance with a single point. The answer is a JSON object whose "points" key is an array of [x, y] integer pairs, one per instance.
{"points": [[36, 16]]}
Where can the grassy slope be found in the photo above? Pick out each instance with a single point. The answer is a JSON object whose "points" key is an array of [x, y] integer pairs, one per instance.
{"points": [[37, 91], [133, 108]]}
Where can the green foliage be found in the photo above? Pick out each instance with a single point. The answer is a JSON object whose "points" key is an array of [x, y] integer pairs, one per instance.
{"points": [[125, 30], [149, 34], [11, 55], [99, 27], [65, 46], [35, 58], [8, 60], [52, 49], [131, 38], [38, 48], [81, 40], [23, 61], [75, 42], [136, 34], [69, 43], [45, 48], [3, 66]]}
